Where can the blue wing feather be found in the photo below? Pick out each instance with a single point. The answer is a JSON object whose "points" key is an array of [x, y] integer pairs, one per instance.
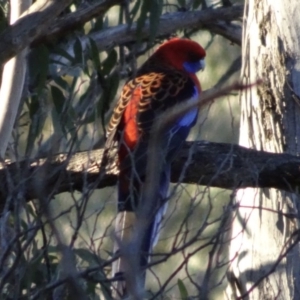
{"points": [[189, 119]]}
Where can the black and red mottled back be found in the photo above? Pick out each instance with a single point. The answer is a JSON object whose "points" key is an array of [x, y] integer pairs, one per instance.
{"points": [[161, 82]]}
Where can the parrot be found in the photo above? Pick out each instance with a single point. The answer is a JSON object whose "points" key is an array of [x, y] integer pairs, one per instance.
{"points": [[167, 78]]}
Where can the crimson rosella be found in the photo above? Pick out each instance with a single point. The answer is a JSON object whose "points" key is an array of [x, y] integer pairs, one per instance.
{"points": [[167, 78]]}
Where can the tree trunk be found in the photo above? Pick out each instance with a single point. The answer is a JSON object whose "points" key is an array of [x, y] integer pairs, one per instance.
{"points": [[264, 250], [12, 82]]}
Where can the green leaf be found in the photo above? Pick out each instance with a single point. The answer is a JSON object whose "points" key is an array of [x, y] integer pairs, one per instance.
{"points": [[98, 25], [58, 99], [94, 52], [36, 125], [197, 3], [33, 105], [182, 290], [146, 6], [30, 210], [43, 61], [88, 116], [24, 225], [154, 10], [135, 9], [61, 83], [87, 256], [38, 65], [3, 19], [112, 82], [113, 85], [91, 288], [53, 249], [78, 51], [109, 62], [72, 86], [182, 3], [155, 13], [63, 120], [32, 274], [105, 22], [106, 290], [62, 52], [58, 62]]}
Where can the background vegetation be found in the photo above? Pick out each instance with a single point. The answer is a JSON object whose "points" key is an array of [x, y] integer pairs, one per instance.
{"points": [[60, 246]]}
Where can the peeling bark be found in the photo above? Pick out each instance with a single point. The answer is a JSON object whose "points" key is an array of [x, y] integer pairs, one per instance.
{"points": [[270, 121]]}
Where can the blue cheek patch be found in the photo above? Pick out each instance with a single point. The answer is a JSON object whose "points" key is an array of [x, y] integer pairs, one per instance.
{"points": [[193, 67]]}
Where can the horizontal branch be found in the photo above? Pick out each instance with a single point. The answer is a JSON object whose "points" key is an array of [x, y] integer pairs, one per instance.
{"points": [[231, 166], [205, 163], [231, 32], [40, 26], [171, 22]]}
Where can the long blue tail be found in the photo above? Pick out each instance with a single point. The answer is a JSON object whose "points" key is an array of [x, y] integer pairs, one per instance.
{"points": [[129, 194]]}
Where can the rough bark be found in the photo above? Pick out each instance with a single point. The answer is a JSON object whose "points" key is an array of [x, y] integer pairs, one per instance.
{"points": [[205, 163], [270, 121]]}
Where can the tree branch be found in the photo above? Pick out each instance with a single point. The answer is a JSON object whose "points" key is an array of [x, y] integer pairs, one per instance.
{"points": [[214, 164], [171, 22], [30, 26], [68, 23], [13, 77], [232, 32], [34, 27]]}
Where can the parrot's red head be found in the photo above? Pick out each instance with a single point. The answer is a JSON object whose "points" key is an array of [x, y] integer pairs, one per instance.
{"points": [[182, 54]]}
